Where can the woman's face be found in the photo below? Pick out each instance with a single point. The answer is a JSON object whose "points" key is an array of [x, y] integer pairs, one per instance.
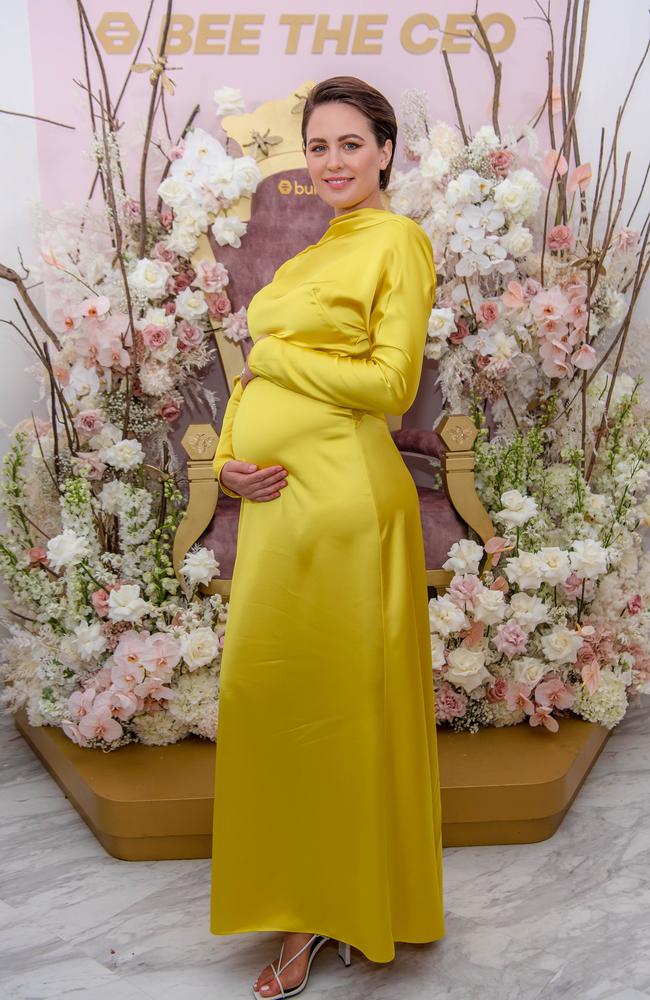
{"points": [[341, 144]]}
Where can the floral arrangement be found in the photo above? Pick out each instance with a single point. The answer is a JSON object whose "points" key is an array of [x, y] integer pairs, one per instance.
{"points": [[535, 298], [532, 331]]}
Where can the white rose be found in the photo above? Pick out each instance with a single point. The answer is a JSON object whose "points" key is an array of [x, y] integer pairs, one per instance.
{"points": [[525, 570], [66, 549], [175, 192], [588, 558], [446, 617], [528, 670], [517, 509], [466, 668], [150, 277], [125, 455], [155, 316], [89, 640], [489, 606], [182, 240], [561, 645], [82, 382], [191, 304], [437, 652], [126, 605], [554, 565], [199, 647], [528, 611], [441, 323], [227, 230], [247, 174], [229, 101], [464, 557], [517, 240], [200, 566]]}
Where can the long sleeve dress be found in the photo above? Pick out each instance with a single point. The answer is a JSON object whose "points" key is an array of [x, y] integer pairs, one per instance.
{"points": [[327, 814]]}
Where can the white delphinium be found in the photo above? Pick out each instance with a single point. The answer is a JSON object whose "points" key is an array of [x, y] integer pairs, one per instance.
{"points": [[200, 566]]}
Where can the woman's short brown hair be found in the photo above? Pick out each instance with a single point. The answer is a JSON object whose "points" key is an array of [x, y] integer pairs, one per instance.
{"points": [[377, 109]]}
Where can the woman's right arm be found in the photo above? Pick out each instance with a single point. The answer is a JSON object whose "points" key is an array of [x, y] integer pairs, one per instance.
{"points": [[224, 453]]}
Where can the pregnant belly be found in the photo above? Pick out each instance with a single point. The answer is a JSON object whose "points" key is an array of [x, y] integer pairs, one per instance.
{"points": [[275, 426]]}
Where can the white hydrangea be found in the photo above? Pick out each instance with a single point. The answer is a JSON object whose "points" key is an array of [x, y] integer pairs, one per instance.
{"points": [[607, 705]]}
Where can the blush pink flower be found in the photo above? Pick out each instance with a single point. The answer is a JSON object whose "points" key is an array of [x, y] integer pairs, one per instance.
{"points": [[488, 313], [71, 730], [518, 696], [542, 715], [496, 691], [189, 334], [560, 238], [126, 675], [449, 703], [170, 411], [211, 276], [554, 693], [584, 357], [496, 546], [218, 304], [635, 604], [166, 217], [99, 601], [161, 653], [461, 331], [510, 639], [100, 725], [95, 307], [81, 702], [37, 555], [89, 422], [182, 281], [501, 160], [153, 687], [464, 589], [155, 336], [579, 178], [626, 239], [513, 297], [572, 586], [163, 253]]}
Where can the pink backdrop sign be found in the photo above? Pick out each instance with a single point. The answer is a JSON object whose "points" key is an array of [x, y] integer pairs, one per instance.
{"points": [[268, 53]]}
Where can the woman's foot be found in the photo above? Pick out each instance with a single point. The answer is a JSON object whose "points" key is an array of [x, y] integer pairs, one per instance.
{"points": [[294, 974]]}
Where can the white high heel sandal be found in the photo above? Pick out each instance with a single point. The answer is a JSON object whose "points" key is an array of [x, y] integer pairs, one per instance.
{"points": [[315, 943]]}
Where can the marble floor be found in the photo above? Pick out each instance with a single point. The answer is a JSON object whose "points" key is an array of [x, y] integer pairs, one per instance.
{"points": [[566, 918]]}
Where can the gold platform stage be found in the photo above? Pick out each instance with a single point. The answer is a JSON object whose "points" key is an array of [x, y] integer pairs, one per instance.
{"points": [[511, 785]]}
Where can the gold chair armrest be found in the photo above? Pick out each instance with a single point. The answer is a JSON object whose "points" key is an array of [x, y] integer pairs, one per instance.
{"points": [[200, 443], [458, 434]]}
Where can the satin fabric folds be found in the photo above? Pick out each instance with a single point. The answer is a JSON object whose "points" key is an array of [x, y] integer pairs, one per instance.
{"points": [[327, 811]]}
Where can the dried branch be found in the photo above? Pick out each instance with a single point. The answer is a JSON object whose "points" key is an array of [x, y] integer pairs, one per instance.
{"points": [[496, 69], [454, 93], [36, 118], [8, 274]]}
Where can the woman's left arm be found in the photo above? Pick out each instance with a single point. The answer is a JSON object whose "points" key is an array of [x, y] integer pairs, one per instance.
{"points": [[387, 380]]}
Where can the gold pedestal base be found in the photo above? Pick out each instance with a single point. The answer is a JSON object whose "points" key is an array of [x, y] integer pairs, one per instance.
{"points": [[500, 786]]}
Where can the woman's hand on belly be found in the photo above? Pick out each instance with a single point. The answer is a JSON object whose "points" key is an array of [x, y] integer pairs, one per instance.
{"points": [[254, 483]]}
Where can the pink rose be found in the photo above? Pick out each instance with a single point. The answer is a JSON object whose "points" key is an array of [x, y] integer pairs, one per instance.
{"points": [[211, 276], [162, 252], [461, 331], [88, 461], [449, 703], [99, 601], [181, 282], [89, 422], [37, 555], [169, 411], [634, 605], [189, 335], [155, 336], [496, 691], [510, 639], [177, 151], [560, 238], [501, 160], [169, 308], [132, 209], [488, 313], [166, 217], [218, 304]]}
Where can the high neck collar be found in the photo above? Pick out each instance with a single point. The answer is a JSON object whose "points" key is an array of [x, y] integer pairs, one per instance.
{"points": [[358, 215]]}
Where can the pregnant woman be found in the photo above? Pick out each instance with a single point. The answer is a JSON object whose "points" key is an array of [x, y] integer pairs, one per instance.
{"points": [[327, 817]]}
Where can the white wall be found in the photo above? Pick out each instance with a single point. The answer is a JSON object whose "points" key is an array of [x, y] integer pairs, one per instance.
{"points": [[616, 40]]}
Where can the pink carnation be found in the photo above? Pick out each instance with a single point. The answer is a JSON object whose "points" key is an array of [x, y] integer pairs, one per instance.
{"points": [[218, 304], [170, 411], [89, 422], [560, 238], [449, 703]]}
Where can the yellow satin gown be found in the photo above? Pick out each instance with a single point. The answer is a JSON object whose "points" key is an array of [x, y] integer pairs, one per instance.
{"points": [[327, 813]]}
